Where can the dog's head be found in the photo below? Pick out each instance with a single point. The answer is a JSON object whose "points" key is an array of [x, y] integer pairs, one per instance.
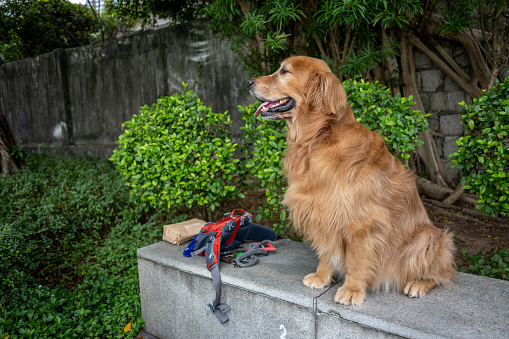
{"points": [[300, 86]]}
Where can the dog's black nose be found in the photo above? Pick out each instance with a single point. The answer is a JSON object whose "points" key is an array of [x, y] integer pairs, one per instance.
{"points": [[251, 82]]}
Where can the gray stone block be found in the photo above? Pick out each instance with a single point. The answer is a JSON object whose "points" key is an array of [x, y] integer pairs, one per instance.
{"points": [[425, 101], [477, 307], [462, 59], [437, 101], [269, 300], [450, 85], [451, 125], [450, 145], [434, 122], [431, 80], [453, 100], [454, 173], [332, 326], [421, 61], [175, 291]]}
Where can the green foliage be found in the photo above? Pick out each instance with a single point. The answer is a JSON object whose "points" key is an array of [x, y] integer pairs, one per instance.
{"points": [[54, 207], [345, 33], [462, 15], [265, 143], [98, 293], [483, 154], [393, 117], [493, 264], [178, 154], [148, 11], [353, 27], [14, 257], [29, 28], [260, 36], [18, 153]]}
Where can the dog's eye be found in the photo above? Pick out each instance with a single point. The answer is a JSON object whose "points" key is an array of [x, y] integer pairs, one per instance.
{"points": [[283, 71]]}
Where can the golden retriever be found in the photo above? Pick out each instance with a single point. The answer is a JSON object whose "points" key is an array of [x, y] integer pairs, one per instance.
{"points": [[347, 195]]}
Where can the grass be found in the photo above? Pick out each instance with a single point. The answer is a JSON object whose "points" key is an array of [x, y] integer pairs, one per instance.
{"points": [[68, 241]]}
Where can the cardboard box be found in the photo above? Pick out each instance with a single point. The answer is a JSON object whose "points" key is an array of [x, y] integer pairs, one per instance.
{"points": [[183, 231]]}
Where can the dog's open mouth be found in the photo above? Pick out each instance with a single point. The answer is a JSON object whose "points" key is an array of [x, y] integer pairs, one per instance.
{"points": [[271, 107]]}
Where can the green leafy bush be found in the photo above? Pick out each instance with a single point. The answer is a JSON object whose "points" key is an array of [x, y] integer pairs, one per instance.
{"points": [[178, 154], [373, 105], [97, 294], [56, 206], [265, 143], [493, 264], [393, 117], [483, 154], [14, 257]]}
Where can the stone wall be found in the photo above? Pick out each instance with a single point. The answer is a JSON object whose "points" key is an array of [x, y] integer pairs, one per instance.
{"points": [[441, 97]]}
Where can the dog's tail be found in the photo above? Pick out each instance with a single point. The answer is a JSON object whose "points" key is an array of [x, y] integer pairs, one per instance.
{"points": [[429, 256]]}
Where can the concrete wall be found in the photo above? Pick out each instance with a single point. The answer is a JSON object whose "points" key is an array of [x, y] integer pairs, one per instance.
{"points": [[76, 100]]}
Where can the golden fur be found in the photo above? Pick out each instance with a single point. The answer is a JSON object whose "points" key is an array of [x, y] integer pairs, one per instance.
{"points": [[347, 195]]}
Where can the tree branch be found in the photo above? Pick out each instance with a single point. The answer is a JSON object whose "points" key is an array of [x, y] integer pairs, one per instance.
{"points": [[434, 165], [451, 61], [474, 92]]}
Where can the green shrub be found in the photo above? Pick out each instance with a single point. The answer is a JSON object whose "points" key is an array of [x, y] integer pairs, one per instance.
{"points": [[14, 257], [178, 154], [483, 154], [393, 117], [97, 293], [493, 264], [373, 105], [265, 143], [56, 206]]}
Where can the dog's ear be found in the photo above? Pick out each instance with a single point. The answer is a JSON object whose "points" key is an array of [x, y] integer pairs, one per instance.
{"points": [[326, 94]]}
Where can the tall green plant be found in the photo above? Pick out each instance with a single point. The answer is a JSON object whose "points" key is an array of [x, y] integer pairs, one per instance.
{"points": [[265, 143], [483, 154], [178, 154]]}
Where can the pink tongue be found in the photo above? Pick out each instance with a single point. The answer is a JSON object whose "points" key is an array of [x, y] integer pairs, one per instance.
{"points": [[260, 108]]}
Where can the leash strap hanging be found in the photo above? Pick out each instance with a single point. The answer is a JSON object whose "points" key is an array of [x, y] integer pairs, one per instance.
{"points": [[212, 258]]}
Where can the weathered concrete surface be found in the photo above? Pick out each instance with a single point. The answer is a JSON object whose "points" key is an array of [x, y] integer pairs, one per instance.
{"points": [[76, 100], [269, 299]]}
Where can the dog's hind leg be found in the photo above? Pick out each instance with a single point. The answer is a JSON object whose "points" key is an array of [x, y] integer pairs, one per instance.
{"points": [[429, 260], [323, 275], [419, 288]]}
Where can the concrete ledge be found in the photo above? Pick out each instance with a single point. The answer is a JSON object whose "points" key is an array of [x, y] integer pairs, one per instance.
{"points": [[269, 300]]}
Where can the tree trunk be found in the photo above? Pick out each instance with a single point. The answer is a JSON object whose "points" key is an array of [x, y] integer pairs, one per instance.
{"points": [[392, 65], [438, 192], [473, 91], [428, 152], [6, 142], [458, 192]]}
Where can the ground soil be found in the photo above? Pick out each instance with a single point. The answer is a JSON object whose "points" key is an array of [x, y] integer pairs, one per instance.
{"points": [[471, 233]]}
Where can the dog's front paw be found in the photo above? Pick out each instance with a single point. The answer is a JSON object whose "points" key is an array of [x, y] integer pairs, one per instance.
{"points": [[350, 296], [313, 280]]}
